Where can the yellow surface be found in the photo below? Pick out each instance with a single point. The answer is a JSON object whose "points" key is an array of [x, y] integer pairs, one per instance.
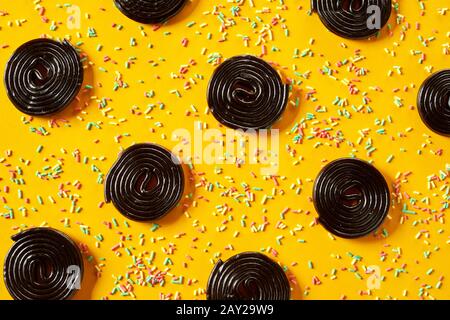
{"points": [[416, 243]]}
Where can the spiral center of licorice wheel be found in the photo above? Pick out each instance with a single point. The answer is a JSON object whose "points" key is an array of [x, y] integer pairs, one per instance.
{"points": [[448, 99], [352, 6], [40, 73], [351, 196], [41, 269], [248, 288], [243, 91], [147, 181]]}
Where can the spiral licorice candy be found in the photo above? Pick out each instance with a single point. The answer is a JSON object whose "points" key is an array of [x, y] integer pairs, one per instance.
{"points": [[145, 183], [248, 276], [351, 197], [42, 264], [43, 76], [245, 92], [352, 19], [150, 11], [434, 102]]}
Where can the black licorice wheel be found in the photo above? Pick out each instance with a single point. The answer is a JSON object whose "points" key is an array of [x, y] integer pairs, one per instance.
{"points": [[351, 19], [150, 11], [248, 276], [351, 197], [145, 183], [43, 264], [245, 92], [43, 76], [433, 102]]}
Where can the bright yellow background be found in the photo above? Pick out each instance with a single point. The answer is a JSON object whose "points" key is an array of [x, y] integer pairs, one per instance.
{"points": [[154, 65]]}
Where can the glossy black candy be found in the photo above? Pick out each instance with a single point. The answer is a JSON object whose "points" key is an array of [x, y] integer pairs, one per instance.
{"points": [[245, 92], [349, 18], [42, 264], [248, 276], [145, 183], [351, 197], [43, 76], [433, 102], [150, 11]]}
